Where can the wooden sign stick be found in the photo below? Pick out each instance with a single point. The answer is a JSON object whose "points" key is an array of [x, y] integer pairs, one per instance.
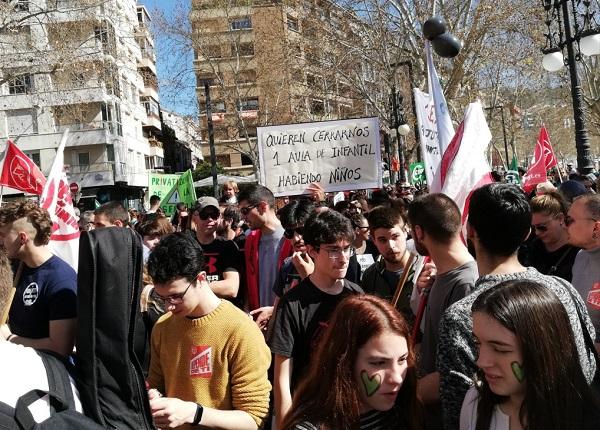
{"points": [[11, 295], [403, 278]]}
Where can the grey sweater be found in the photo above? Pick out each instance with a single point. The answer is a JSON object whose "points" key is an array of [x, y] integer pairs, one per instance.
{"points": [[457, 352]]}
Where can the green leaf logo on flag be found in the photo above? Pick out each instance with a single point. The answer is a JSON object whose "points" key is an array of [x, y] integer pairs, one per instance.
{"points": [[417, 173]]}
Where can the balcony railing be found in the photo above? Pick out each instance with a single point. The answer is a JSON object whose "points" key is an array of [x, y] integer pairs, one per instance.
{"points": [[106, 166], [83, 126]]}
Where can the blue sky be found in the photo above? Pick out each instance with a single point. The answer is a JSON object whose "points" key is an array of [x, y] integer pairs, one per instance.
{"points": [[168, 99]]}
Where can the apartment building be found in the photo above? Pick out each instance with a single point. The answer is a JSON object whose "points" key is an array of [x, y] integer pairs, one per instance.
{"points": [[184, 151], [89, 67], [268, 63]]}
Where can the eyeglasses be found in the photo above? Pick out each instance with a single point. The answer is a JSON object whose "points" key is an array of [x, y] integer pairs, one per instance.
{"points": [[209, 214], [360, 227], [247, 209], [570, 220], [176, 299], [288, 233], [335, 253], [539, 227]]}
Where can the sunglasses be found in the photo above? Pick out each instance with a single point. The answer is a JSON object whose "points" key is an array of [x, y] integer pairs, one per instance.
{"points": [[209, 214], [288, 233], [247, 209]]}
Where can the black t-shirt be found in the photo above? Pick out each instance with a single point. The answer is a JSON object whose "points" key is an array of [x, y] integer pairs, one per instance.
{"points": [[301, 318], [556, 263], [45, 293], [221, 256]]}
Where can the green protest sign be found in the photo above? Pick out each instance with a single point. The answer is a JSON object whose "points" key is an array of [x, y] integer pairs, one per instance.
{"points": [[172, 189], [512, 175], [417, 173]]}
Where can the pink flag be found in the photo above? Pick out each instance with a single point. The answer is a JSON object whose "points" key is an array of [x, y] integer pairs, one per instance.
{"points": [[464, 166], [56, 199], [20, 173], [543, 159]]}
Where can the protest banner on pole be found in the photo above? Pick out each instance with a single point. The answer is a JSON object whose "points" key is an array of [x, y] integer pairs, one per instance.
{"points": [[543, 160], [172, 189], [56, 199], [339, 155], [20, 172]]}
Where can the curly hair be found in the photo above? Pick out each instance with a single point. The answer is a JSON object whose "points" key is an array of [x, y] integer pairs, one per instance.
{"points": [[38, 217], [177, 255], [327, 227]]}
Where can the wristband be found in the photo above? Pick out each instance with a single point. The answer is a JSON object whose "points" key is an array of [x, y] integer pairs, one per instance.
{"points": [[198, 416], [10, 337]]}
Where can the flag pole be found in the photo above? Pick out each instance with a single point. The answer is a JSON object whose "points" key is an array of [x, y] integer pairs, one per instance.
{"points": [[11, 295]]}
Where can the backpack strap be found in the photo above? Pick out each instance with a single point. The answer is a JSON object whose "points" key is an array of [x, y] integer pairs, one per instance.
{"points": [[58, 377], [23, 415]]}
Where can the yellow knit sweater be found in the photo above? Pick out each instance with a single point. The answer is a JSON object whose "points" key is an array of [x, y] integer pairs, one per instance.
{"points": [[219, 360]]}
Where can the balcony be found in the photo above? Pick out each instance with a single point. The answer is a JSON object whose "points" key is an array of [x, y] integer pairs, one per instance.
{"points": [[92, 175]]}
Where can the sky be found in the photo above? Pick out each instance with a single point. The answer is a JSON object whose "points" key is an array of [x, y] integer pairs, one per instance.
{"points": [[168, 99]]}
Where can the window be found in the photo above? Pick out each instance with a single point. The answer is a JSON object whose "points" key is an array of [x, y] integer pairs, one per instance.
{"points": [[77, 79], [292, 23], [22, 5], [246, 76], [213, 51], [246, 48], [35, 157], [250, 104], [218, 107], [83, 158], [21, 84], [241, 23], [317, 107], [248, 130]]}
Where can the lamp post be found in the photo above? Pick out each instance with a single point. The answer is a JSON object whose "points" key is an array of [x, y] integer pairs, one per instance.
{"points": [[572, 24], [400, 127]]}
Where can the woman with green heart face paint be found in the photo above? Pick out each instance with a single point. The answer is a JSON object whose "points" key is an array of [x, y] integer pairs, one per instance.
{"points": [[529, 371], [363, 374]]}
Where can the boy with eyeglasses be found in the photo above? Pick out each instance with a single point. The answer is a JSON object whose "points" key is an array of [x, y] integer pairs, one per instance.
{"points": [[303, 312], [209, 361], [223, 258]]}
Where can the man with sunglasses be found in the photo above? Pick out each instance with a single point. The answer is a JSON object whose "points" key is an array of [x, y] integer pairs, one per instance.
{"points": [[209, 361], [223, 258], [265, 248], [583, 224], [303, 312]]}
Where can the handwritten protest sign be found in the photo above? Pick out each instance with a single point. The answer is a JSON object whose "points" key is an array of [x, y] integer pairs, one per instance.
{"points": [[340, 155]]}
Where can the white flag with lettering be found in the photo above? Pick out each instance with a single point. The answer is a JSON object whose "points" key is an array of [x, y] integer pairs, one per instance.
{"points": [[56, 199], [430, 148]]}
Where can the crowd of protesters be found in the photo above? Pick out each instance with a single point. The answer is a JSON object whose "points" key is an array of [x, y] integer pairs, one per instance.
{"points": [[384, 311]]}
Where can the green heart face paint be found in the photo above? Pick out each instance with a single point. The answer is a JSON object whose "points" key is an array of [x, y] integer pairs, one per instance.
{"points": [[371, 383], [518, 371]]}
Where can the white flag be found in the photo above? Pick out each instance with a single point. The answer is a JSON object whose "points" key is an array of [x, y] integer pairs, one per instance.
{"points": [[56, 199], [464, 166], [443, 121], [430, 148]]}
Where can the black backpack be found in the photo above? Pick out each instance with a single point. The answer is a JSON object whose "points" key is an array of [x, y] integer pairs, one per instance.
{"points": [[63, 415], [112, 342]]}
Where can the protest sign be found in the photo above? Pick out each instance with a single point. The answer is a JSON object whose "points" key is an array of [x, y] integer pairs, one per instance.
{"points": [[172, 189], [417, 173], [339, 155]]}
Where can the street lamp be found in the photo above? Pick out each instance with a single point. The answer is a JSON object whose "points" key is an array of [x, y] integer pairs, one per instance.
{"points": [[573, 24], [401, 128]]}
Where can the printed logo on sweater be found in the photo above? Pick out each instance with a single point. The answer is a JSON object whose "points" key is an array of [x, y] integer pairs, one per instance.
{"points": [[593, 297], [201, 362], [31, 293]]}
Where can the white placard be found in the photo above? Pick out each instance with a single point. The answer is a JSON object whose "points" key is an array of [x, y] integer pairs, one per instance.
{"points": [[339, 155]]}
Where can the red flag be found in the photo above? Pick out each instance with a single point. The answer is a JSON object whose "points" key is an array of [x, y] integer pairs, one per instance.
{"points": [[20, 173], [543, 159]]}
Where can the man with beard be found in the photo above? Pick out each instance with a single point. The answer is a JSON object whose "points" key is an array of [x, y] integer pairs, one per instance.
{"points": [[223, 258], [388, 232], [435, 222], [303, 312]]}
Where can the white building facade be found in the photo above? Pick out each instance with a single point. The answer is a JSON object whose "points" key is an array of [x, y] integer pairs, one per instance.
{"points": [[89, 68]]}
